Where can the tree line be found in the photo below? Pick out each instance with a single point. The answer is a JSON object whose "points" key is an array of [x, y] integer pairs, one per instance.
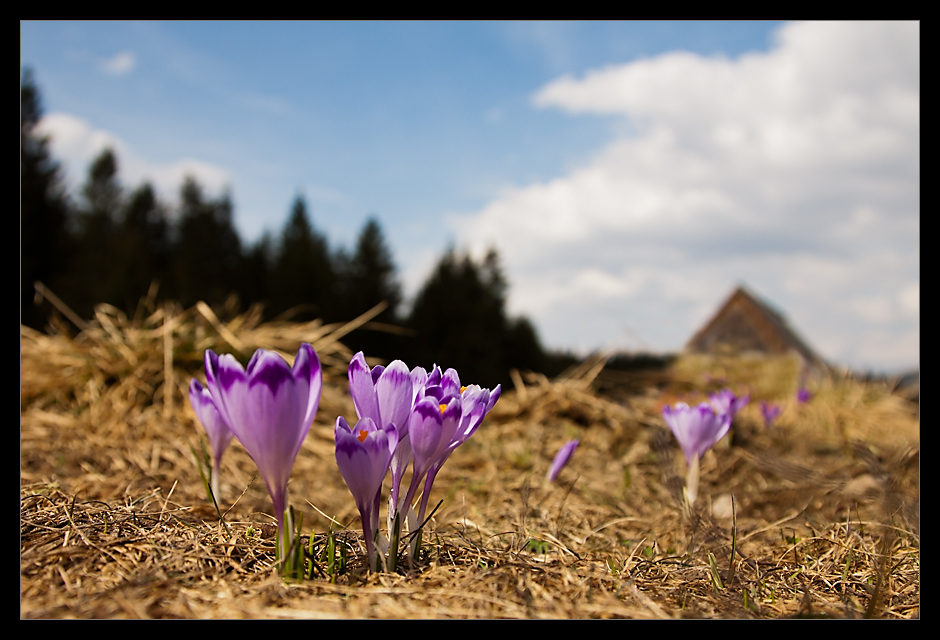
{"points": [[111, 245]]}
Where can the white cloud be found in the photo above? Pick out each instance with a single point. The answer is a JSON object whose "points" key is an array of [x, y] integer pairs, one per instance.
{"points": [[120, 63], [794, 170], [909, 300], [76, 143]]}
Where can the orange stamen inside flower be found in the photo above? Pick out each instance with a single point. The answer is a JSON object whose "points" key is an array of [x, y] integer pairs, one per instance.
{"points": [[443, 407], [462, 389], [362, 435]]}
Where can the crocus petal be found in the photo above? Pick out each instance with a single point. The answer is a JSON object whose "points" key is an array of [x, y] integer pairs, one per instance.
{"points": [[474, 402], [384, 394], [362, 389], [450, 383], [725, 402], [218, 433], [450, 431], [494, 396], [434, 391], [395, 393], [419, 380], [306, 371], [425, 434], [561, 459]]}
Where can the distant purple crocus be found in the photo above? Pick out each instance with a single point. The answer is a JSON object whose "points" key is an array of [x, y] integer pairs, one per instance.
{"points": [[803, 395], [770, 412], [219, 434], [363, 455], [696, 428], [726, 402], [269, 406], [561, 459]]}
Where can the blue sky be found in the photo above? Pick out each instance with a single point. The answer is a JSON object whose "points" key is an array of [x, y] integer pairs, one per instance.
{"points": [[630, 174]]}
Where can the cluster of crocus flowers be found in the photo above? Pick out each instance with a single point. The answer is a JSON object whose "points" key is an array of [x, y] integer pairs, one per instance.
{"points": [[406, 417], [269, 406], [697, 429]]}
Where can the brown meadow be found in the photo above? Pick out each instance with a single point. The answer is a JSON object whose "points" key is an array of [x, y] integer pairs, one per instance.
{"points": [[816, 516]]}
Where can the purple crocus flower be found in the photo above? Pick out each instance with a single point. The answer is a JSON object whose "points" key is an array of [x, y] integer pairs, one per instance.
{"points": [[387, 395], [269, 406], [433, 428], [803, 395], [219, 434], [475, 403], [696, 428], [726, 402], [561, 459], [363, 455], [770, 411], [468, 406]]}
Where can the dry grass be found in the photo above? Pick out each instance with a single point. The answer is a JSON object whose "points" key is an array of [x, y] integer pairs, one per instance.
{"points": [[114, 523]]}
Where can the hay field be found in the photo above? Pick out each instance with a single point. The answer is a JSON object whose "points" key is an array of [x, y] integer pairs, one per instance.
{"points": [[817, 516]]}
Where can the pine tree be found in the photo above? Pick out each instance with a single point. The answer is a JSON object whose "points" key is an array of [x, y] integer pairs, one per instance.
{"points": [[45, 244], [144, 246], [368, 278], [208, 255], [303, 278], [371, 275], [459, 320], [94, 275], [256, 272]]}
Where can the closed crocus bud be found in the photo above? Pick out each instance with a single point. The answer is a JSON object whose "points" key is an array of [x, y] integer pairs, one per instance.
{"points": [[561, 459], [217, 431]]}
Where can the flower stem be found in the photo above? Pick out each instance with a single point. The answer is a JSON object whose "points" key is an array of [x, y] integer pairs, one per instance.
{"points": [[214, 483], [395, 536], [691, 482]]}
